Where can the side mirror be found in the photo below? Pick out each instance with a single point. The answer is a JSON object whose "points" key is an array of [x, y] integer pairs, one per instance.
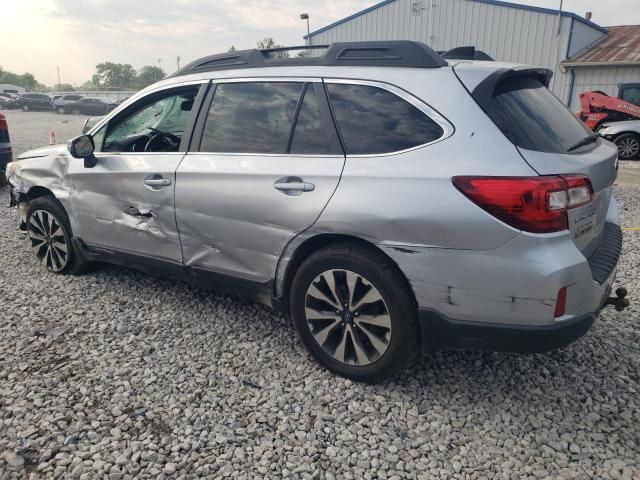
{"points": [[83, 147]]}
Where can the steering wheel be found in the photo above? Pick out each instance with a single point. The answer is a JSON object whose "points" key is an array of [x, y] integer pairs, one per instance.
{"points": [[161, 141]]}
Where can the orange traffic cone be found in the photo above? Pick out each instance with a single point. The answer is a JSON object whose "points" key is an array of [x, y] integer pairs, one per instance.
{"points": [[52, 137]]}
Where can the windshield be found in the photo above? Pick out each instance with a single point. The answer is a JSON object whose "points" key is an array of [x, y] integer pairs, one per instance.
{"points": [[533, 118]]}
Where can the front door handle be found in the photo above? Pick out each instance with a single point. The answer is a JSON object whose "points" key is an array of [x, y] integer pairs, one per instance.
{"points": [[156, 182], [293, 186]]}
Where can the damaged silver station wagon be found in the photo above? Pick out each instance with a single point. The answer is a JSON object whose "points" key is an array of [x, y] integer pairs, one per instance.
{"points": [[383, 197]]}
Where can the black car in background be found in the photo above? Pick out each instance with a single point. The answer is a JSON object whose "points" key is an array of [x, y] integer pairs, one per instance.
{"points": [[59, 102], [34, 101], [90, 106]]}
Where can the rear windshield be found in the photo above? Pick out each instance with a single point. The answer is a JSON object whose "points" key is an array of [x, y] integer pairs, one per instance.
{"points": [[533, 118]]}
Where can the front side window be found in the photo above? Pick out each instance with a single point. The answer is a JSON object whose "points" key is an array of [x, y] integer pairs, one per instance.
{"points": [[375, 121], [153, 124], [252, 117]]}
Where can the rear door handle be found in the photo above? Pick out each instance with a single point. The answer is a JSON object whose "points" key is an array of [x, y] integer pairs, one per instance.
{"points": [[157, 182], [293, 186]]}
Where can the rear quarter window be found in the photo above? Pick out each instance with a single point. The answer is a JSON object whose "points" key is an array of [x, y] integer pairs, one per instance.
{"points": [[531, 117], [373, 120]]}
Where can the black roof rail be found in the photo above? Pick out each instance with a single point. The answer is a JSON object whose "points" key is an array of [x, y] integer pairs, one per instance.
{"points": [[392, 53], [465, 53]]}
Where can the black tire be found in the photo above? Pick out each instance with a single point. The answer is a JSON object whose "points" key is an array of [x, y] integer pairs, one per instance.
{"points": [[378, 272], [60, 111], [74, 264], [25, 108], [76, 111], [628, 146]]}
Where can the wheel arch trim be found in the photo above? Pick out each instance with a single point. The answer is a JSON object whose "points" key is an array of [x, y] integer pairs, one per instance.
{"points": [[304, 245]]}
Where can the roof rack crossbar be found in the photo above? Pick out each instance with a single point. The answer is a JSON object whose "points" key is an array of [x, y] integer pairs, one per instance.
{"points": [[391, 53]]}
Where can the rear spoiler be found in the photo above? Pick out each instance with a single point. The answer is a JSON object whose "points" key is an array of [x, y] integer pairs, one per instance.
{"points": [[486, 89]]}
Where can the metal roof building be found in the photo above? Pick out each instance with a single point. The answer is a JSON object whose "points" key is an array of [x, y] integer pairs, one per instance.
{"points": [[612, 60], [507, 31]]}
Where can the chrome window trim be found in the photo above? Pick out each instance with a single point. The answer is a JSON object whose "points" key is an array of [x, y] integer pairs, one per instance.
{"points": [[140, 95], [111, 154], [283, 155], [447, 128], [267, 79]]}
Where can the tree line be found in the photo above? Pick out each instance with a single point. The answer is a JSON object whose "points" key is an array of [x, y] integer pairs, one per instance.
{"points": [[110, 75]]}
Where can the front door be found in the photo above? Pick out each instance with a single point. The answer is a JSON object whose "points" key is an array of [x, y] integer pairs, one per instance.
{"points": [[125, 203], [266, 161]]}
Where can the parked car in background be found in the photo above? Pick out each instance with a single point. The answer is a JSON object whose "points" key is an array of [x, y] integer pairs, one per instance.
{"points": [[90, 106], [316, 185], [5, 149], [626, 135], [59, 102], [7, 101], [34, 101]]}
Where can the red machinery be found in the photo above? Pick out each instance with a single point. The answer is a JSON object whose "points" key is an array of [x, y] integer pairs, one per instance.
{"points": [[598, 107]]}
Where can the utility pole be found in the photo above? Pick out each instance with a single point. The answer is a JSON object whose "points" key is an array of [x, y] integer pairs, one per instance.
{"points": [[178, 62], [160, 63], [59, 83]]}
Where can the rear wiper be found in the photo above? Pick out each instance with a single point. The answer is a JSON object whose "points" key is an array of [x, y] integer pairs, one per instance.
{"points": [[585, 141]]}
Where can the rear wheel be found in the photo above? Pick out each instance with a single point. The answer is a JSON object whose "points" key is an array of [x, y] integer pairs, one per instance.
{"points": [[628, 146], [354, 311], [50, 236]]}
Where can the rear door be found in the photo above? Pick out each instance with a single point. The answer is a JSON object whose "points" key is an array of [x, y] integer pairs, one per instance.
{"points": [[265, 163], [549, 138]]}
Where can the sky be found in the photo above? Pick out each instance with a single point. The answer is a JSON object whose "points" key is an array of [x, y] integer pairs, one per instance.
{"points": [[40, 35]]}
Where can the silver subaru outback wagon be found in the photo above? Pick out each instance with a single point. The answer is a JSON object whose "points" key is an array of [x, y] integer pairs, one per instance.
{"points": [[386, 199]]}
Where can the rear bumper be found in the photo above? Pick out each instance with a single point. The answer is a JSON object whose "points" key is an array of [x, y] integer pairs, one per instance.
{"points": [[439, 332]]}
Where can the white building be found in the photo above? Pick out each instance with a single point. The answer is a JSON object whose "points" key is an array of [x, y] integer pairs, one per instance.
{"points": [[8, 88], [506, 31]]}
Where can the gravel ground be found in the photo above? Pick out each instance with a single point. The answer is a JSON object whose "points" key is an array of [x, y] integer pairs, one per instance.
{"points": [[116, 374]]}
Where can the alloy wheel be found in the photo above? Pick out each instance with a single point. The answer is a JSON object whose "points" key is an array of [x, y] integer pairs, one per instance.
{"points": [[48, 240], [628, 147], [348, 317]]}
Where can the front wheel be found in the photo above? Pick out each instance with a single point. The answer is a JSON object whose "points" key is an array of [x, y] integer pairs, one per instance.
{"points": [[628, 146], [75, 111], [25, 108], [60, 110], [355, 313], [50, 235]]}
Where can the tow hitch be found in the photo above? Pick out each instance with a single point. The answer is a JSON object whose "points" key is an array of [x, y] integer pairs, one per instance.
{"points": [[620, 302]]}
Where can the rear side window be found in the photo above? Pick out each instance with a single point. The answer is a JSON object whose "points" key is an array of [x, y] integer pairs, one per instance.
{"points": [[533, 118], [314, 132], [251, 117], [374, 121]]}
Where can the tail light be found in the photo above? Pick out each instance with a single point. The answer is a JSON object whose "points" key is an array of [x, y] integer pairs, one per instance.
{"points": [[5, 143], [532, 204]]}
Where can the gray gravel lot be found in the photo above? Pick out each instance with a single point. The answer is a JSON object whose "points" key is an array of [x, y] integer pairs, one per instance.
{"points": [[116, 374]]}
